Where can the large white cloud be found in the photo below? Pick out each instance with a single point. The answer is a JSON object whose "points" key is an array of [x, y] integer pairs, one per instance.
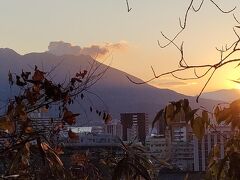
{"points": [[60, 48]]}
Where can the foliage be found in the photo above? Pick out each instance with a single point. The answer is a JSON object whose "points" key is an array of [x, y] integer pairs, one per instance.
{"points": [[30, 149], [181, 109], [83, 167], [133, 163], [228, 167]]}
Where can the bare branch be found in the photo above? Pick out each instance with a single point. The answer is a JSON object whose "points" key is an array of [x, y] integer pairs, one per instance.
{"points": [[205, 85], [184, 24], [220, 9], [236, 19], [128, 8], [200, 6]]}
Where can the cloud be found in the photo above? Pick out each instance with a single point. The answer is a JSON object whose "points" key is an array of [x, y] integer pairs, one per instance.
{"points": [[60, 48], [175, 83], [95, 51]]}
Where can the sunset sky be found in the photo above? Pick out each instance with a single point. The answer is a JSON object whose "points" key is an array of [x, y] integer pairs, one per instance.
{"points": [[30, 25]]}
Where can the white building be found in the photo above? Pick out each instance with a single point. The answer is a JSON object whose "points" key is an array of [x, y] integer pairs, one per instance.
{"points": [[158, 146], [113, 128], [216, 136]]}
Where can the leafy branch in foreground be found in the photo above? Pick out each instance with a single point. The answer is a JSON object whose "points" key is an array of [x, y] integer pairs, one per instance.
{"points": [[29, 146], [199, 119], [133, 164]]}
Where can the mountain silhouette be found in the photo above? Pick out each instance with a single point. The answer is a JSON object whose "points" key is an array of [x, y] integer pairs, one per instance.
{"points": [[113, 92], [226, 95]]}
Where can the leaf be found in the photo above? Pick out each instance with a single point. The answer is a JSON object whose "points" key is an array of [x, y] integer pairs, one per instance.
{"points": [[82, 74], [74, 80], [221, 166], [59, 150], [31, 97], [205, 117], [157, 117], [216, 112], [10, 78], [73, 135], [178, 106], [7, 125], [38, 75], [189, 116], [44, 109], [222, 115], [107, 118], [36, 88], [28, 130], [185, 105], [25, 157], [169, 113], [216, 152], [235, 106], [198, 127], [69, 117], [20, 112], [19, 82], [82, 96], [25, 75], [54, 161]]}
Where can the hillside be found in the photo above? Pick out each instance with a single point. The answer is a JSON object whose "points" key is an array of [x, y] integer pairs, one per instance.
{"points": [[119, 95], [226, 95]]}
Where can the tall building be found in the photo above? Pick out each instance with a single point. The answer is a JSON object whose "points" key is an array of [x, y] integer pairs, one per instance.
{"points": [[134, 125], [217, 136], [113, 128], [158, 147], [175, 143], [182, 155]]}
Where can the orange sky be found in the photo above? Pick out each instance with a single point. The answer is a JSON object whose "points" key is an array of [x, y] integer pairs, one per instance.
{"points": [[28, 26]]}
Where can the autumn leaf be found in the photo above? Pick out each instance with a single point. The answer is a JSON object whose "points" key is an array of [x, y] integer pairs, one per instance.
{"points": [[59, 150], [107, 118], [44, 109], [205, 117], [222, 115], [28, 130], [235, 106], [198, 127], [169, 113], [69, 117], [38, 75], [185, 105], [189, 116], [216, 152], [20, 112], [31, 97], [157, 117], [7, 125], [73, 135], [36, 88]]}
